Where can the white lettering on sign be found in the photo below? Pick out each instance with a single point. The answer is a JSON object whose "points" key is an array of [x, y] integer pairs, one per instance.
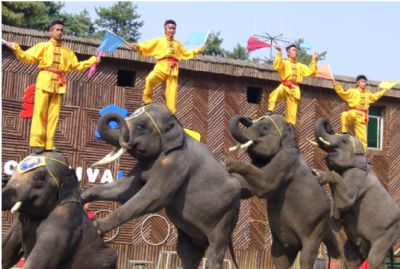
{"points": [[9, 167], [92, 175], [107, 176]]}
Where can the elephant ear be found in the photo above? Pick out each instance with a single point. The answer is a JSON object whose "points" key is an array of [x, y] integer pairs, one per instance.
{"points": [[173, 135], [69, 187], [289, 139]]}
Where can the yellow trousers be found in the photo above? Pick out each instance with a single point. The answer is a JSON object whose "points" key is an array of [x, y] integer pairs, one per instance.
{"points": [[154, 79], [291, 96], [47, 105], [356, 118]]}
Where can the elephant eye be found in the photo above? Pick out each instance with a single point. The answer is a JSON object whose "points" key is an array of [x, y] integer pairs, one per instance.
{"points": [[139, 126]]}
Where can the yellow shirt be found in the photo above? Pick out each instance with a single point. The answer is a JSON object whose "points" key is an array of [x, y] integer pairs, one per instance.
{"points": [[357, 97], [166, 47], [291, 70], [54, 55]]}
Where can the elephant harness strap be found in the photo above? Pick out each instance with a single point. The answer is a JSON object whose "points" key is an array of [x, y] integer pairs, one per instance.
{"points": [[269, 117], [33, 162], [140, 111]]}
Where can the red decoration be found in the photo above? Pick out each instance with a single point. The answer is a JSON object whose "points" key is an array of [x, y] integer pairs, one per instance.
{"points": [[254, 43], [28, 102]]}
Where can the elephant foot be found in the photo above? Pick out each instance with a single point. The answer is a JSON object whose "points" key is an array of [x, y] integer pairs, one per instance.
{"points": [[97, 228], [38, 150]]}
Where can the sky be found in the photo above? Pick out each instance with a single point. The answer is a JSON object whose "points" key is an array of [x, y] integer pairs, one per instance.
{"points": [[359, 37]]}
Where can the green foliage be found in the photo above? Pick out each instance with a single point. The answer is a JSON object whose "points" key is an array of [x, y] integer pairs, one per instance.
{"points": [[303, 56], [213, 45], [121, 18], [239, 52], [78, 25], [30, 14]]}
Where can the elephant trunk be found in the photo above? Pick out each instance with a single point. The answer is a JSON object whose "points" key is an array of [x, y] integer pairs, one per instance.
{"points": [[116, 137], [324, 134], [12, 197], [235, 130]]}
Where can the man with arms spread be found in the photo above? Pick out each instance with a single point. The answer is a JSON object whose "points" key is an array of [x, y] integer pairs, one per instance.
{"points": [[55, 60], [291, 74]]}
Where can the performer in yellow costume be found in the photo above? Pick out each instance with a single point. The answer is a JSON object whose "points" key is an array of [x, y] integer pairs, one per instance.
{"points": [[168, 52], [55, 60], [291, 73], [359, 100]]}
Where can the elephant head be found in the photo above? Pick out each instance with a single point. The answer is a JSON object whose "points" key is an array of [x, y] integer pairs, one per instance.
{"points": [[39, 184], [264, 137], [148, 132], [343, 151]]}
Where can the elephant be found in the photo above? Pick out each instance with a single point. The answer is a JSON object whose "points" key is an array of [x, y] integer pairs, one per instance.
{"points": [[298, 209], [369, 215], [50, 227], [175, 172]]}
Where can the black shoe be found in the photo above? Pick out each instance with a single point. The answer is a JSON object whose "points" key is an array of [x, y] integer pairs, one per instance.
{"points": [[56, 150], [38, 150], [268, 113]]}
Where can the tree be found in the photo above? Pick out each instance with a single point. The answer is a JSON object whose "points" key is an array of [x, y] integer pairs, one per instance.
{"points": [[239, 52], [78, 25], [38, 15], [121, 18], [213, 45], [30, 14], [303, 56]]}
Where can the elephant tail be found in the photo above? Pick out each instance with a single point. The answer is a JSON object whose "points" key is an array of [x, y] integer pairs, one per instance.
{"points": [[232, 251], [332, 245], [391, 256]]}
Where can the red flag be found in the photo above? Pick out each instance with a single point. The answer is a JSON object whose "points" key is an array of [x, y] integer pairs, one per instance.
{"points": [[324, 71], [27, 102], [254, 43], [364, 265]]}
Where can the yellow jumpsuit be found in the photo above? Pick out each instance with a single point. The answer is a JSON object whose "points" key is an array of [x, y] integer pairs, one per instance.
{"points": [[292, 72], [49, 86], [358, 100], [167, 52]]}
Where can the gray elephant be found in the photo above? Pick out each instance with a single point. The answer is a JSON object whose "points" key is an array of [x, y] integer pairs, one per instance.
{"points": [[298, 209], [174, 172], [371, 218], [51, 229]]}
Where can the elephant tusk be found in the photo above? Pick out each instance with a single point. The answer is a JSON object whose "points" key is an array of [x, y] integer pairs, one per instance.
{"points": [[16, 207], [313, 142], [110, 157], [324, 141], [241, 146]]}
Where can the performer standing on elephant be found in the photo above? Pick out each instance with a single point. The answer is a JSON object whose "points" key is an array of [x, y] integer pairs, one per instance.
{"points": [[55, 60], [358, 99], [167, 52], [291, 74]]}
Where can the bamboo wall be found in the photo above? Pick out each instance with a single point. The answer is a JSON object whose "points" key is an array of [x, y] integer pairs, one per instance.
{"points": [[210, 93]]}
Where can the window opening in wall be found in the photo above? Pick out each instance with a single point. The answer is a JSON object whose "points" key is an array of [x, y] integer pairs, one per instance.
{"points": [[254, 95], [126, 78], [375, 127]]}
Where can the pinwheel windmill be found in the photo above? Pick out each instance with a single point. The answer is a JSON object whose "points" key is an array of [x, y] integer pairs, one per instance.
{"points": [[274, 39]]}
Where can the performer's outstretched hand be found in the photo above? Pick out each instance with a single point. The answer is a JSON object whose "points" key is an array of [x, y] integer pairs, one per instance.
{"points": [[315, 55], [277, 47], [13, 46], [134, 46]]}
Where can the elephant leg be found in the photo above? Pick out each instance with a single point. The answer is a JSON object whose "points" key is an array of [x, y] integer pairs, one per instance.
{"points": [[118, 191], [281, 256], [310, 244], [219, 238], [309, 253], [381, 247], [189, 253], [353, 258], [12, 245]]}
